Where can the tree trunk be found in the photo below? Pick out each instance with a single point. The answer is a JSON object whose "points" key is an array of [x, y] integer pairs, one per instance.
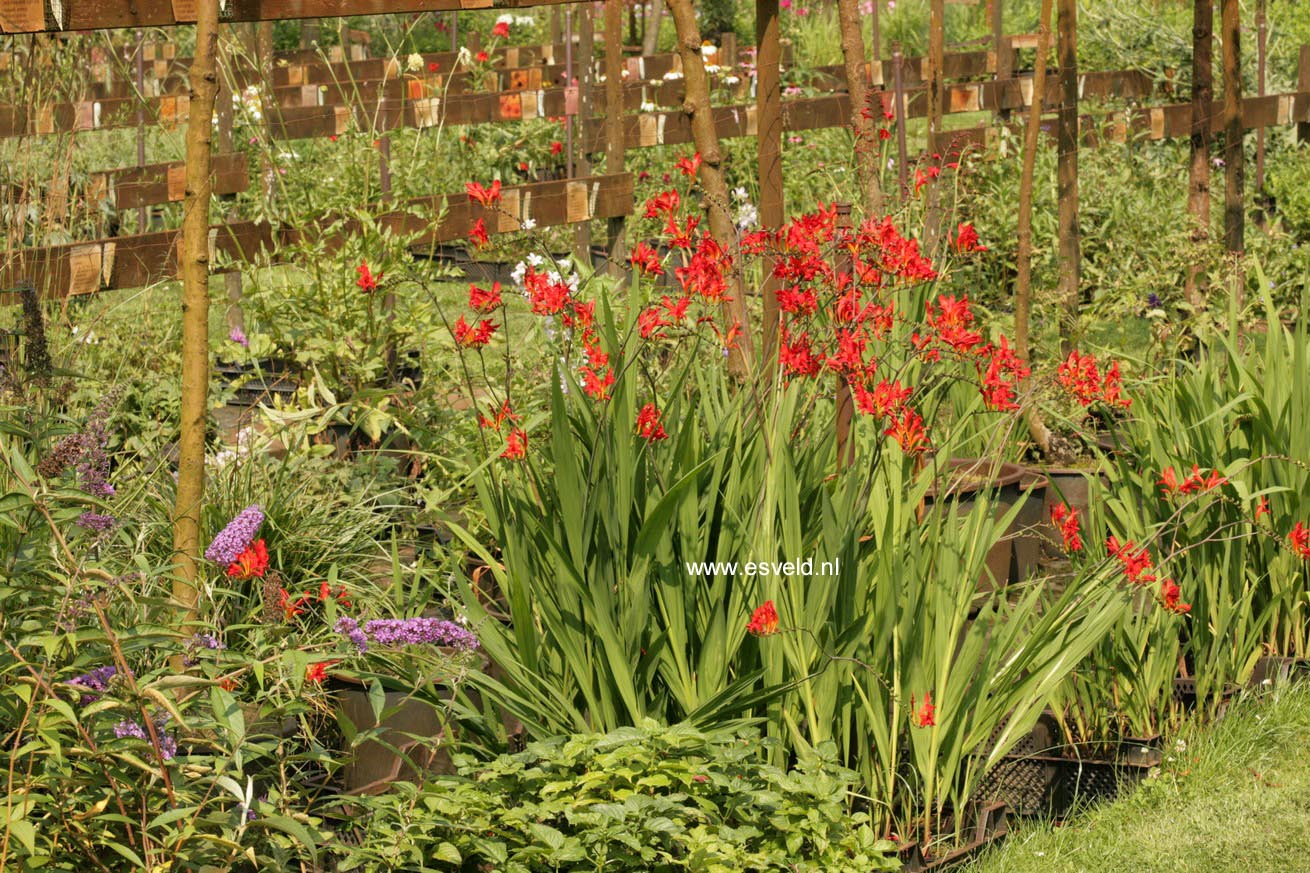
{"points": [[1067, 176], [1198, 183], [195, 311], [862, 112], [1023, 282], [696, 103], [769, 155], [932, 210], [650, 39]]}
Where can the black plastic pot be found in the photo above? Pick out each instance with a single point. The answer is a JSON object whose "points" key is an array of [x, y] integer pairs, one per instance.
{"points": [[989, 822], [1272, 669]]}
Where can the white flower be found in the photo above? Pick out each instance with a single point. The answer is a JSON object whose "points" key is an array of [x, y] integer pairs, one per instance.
{"points": [[535, 259], [740, 194], [712, 68], [506, 19], [708, 50], [519, 271], [731, 80], [648, 107], [414, 62], [529, 223], [465, 56], [671, 75]]}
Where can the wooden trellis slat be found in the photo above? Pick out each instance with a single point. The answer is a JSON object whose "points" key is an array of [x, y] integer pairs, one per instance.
{"points": [[38, 16], [156, 184], [135, 261]]}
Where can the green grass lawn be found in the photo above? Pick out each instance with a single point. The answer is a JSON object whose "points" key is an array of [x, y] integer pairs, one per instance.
{"points": [[1234, 795]]}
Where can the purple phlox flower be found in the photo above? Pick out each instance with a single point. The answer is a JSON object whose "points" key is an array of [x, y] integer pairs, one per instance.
{"points": [[96, 682], [95, 521], [237, 536], [238, 336]]}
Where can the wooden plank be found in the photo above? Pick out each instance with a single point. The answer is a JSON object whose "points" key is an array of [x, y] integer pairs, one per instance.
{"points": [[135, 261], [74, 15]]}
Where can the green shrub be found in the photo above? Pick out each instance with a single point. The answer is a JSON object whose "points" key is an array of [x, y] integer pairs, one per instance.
{"points": [[640, 798]]}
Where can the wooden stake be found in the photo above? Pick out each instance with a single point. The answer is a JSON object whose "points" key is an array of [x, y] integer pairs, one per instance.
{"points": [[1023, 282], [1234, 171], [1198, 182], [195, 313], [1067, 175], [141, 212], [902, 151], [769, 154], [932, 212], [1261, 35], [582, 166], [696, 104], [614, 142]]}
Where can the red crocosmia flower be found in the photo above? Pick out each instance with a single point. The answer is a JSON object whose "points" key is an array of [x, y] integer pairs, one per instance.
{"points": [[478, 233], [474, 336], [557, 147], [1196, 481], [1135, 563], [649, 322], [795, 354], [433, 67], [316, 673], [689, 166], [488, 196], [228, 683], [548, 297], [764, 620], [324, 590], [908, 431], [332, 137], [1262, 508], [250, 563], [649, 425], [885, 399], [502, 415], [680, 238], [485, 301], [597, 384], [884, 133], [797, 301], [367, 282], [291, 608], [523, 166], [501, 29], [677, 309], [1171, 597], [1168, 481], [1004, 371], [966, 239], [1112, 387], [646, 259], [1299, 540], [516, 445], [925, 715], [1082, 377], [481, 57], [1065, 518], [664, 203]]}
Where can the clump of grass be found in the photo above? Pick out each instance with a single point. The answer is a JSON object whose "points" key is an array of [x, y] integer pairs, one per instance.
{"points": [[1229, 796]]}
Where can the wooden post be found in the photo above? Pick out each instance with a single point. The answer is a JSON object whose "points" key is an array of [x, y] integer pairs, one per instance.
{"points": [[1198, 181], [587, 57], [932, 212], [1067, 175], [194, 261], [902, 151], [141, 212], [384, 166], [1234, 171], [769, 154], [1261, 35], [568, 83], [867, 149], [696, 103], [877, 33], [1303, 86], [614, 143], [232, 279]]}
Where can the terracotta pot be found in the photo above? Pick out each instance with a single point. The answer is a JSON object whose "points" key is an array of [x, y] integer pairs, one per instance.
{"points": [[404, 717]]}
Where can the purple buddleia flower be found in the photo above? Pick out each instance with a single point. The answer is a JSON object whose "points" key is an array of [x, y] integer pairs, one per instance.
{"points": [[196, 643], [96, 682], [129, 728], [238, 336], [95, 521], [236, 537], [420, 631], [349, 628], [1154, 301]]}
